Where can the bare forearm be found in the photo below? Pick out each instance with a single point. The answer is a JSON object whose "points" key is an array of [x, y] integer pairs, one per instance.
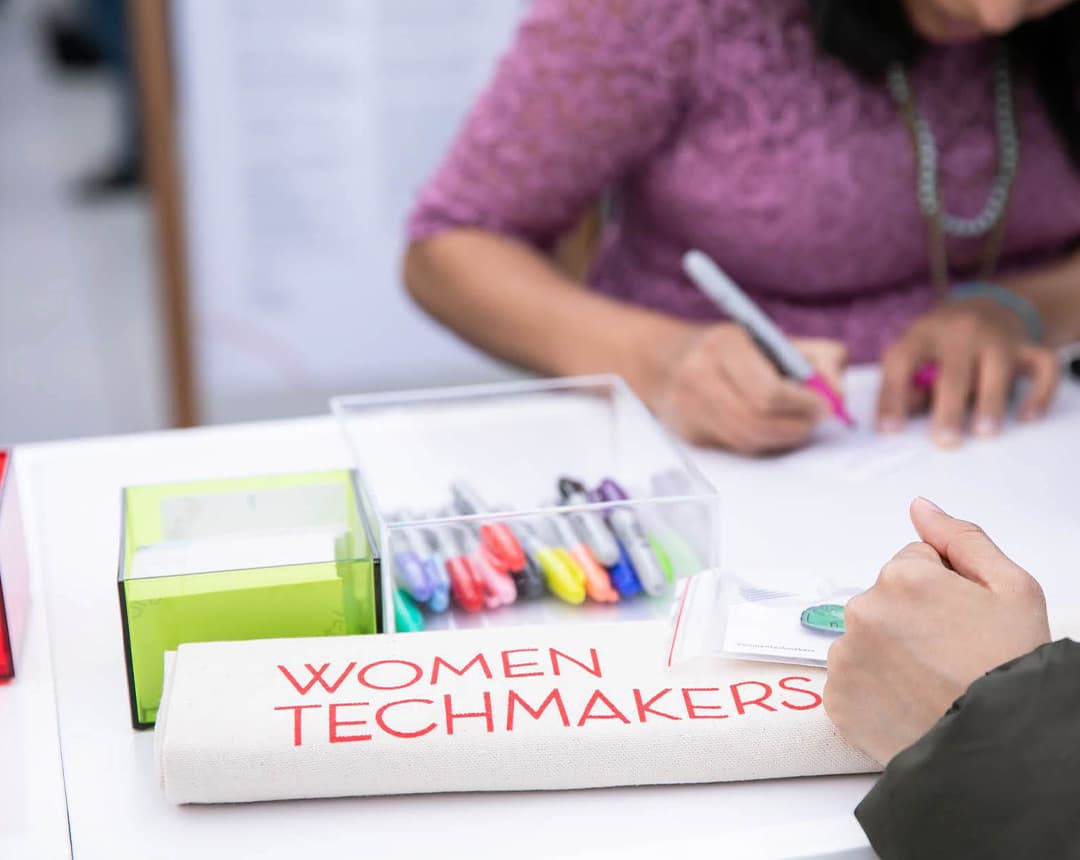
{"points": [[1055, 291], [504, 297]]}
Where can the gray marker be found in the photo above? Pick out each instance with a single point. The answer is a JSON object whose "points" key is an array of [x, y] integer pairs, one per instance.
{"points": [[466, 500], [589, 525], [636, 543], [564, 533], [726, 294]]}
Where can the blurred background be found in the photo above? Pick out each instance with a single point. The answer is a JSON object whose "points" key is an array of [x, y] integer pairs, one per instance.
{"points": [[202, 204]]}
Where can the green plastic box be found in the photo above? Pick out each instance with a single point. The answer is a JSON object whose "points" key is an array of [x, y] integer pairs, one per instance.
{"points": [[248, 558]]}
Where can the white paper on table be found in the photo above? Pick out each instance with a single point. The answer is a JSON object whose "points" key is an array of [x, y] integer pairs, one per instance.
{"points": [[860, 453]]}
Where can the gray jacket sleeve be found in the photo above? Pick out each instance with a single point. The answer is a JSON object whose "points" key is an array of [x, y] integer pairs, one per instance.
{"points": [[998, 776]]}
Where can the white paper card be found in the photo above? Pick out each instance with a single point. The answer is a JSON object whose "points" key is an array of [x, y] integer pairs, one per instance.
{"points": [[271, 509], [771, 629], [176, 558]]}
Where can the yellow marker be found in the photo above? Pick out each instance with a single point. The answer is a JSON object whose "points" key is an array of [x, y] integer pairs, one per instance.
{"points": [[571, 563], [564, 578]]}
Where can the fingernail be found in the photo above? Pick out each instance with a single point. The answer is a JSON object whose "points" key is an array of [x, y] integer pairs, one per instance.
{"points": [[986, 426], [890, 424], [1030, 414], [925, 502], [947, 437]]}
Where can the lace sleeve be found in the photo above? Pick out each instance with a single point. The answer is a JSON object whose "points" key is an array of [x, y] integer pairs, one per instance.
{"points": [[588, 89]]}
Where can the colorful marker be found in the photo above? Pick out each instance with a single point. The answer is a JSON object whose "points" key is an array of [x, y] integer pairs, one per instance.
{"points": [[623, 576], [409, 573], [499, 540], [501, 546], [597, 580], [926, 376], [624, 524], [588, 524], [564, 579], [495, 584], [730, 299], [407, 617], [660, 551], [420, 544], [691, 521], [464, 586], [672, 549], [529, 581]]}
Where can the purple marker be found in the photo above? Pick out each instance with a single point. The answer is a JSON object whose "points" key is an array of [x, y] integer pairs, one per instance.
{"points": [[409, 568]]}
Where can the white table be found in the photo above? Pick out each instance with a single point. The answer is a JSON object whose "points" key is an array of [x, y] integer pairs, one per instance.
{"points": [[33, 813], [116, 809]]}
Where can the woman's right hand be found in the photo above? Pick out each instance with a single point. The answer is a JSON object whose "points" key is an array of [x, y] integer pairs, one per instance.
{"points": [[943, 612], [718, 388]]}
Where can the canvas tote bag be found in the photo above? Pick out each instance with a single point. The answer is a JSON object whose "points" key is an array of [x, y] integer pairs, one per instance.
{"points": [[496, 709]]}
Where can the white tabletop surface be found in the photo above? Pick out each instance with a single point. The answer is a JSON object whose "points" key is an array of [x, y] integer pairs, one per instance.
{"points": [[843, 514], [33, 814]]}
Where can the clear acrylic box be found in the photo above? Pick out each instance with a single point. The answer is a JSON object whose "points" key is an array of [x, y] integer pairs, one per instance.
{"points": [[475, 529]]}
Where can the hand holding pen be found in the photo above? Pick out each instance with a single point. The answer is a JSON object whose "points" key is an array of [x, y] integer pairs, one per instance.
{"points": [[722, 387]]}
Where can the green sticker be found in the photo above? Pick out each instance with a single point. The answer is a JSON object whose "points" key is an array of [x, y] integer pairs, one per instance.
{"points": [[828, 617]]}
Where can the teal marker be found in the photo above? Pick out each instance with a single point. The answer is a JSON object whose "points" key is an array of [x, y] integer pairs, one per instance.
{"points": [[407, 617]]}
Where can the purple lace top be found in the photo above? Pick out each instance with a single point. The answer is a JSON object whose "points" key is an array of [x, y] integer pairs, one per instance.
{"points": [[720, 126]]}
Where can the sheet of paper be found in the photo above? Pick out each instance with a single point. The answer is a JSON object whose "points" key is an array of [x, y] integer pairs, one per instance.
{"points": [[307, 130], [860, 453]]}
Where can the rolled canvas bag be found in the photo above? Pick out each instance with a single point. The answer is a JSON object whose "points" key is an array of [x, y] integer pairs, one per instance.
{"points": [[496, 709]]}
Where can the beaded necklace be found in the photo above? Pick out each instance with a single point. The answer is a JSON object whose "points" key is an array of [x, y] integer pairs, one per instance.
{"points": [[991, 220]]}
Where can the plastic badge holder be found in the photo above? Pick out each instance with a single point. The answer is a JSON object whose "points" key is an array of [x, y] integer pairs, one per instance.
{"points": [[14, 569], [510, 444], [245, 558], [726, 615]]}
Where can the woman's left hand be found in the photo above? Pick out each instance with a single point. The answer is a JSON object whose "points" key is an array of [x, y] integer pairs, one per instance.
{"points": [[980, 347]]}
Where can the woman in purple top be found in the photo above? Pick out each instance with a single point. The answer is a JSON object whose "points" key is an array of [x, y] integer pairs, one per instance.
{"points": [[888, 179]]}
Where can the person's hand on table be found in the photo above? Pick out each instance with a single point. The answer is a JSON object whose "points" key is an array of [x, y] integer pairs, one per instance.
{"points": [[980, 347], [943, 612], [720, 389]]}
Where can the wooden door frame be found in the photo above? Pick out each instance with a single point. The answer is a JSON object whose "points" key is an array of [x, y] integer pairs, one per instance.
{"points": [[150, 35]]}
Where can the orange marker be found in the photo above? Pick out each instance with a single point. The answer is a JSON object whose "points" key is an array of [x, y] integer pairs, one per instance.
{"points": [[597, 580]]}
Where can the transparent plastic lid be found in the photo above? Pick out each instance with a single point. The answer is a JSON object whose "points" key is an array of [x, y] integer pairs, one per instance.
{"points": [[561, 500]]}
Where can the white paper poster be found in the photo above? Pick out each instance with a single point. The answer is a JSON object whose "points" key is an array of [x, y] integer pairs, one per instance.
{"points": [[306, 130]]}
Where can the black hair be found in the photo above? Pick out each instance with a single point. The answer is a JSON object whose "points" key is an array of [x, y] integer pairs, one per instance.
{"points": [[868, 35]]}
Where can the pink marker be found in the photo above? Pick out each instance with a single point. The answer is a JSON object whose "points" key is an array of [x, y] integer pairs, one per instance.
{"points": [[925, 376], [727, 296]]}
